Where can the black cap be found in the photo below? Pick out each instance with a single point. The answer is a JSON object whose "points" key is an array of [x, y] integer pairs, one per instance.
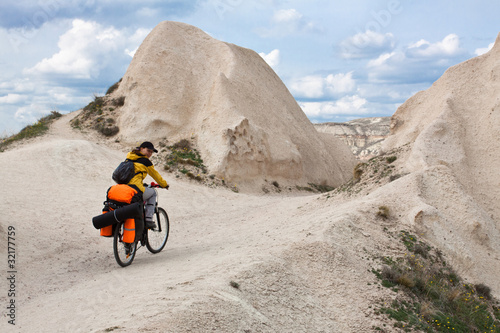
{"points": [[149, 145]]}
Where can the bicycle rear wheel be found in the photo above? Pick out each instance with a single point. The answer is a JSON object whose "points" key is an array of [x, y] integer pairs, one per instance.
{"points": [[157, 237], [124, 252]]}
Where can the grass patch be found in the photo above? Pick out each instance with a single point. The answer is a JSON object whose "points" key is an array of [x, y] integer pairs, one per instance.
{"points": [[37, 129], [323, 188], [100, 114], [183, 159], [314, 188], [183, 154], [113, 87], [117, 102], [94, 107], [383, 212], [434, 298], [391, 159], [106, 129], [304, 188]]}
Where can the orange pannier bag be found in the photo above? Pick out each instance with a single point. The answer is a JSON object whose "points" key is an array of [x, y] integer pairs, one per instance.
{"points": [[107, 231], [129, 231], [122, 193]]}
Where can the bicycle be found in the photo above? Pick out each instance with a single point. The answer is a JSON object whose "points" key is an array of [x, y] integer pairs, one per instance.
{"points": [[154, 239]]}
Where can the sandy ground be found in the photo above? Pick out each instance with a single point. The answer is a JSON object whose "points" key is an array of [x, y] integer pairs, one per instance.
{"points": [[273, 245], [302, 262]]}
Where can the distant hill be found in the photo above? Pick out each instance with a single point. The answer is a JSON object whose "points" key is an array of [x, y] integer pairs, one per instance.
{"points": [[364, 136]]}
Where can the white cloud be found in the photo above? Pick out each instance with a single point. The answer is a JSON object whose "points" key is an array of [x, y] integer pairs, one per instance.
{"points": [[308, 86], [288, 22], [272, 58], [348, 105], [384, 59], [61, 95], [18, 85], [12, 99], [340, 83], [449, 46], [148, 12], [315, 86], [87, 48], [364, 45], [483, 50], [287, 16], [421, 61], [29, 114], [81, 51]]}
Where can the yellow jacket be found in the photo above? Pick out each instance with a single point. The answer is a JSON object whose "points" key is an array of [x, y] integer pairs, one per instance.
{"points": [[143, 167]]}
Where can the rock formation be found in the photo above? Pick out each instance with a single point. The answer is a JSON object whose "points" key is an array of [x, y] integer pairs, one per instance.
{"points": [[452, 129], [182, 83], [364, 136]]}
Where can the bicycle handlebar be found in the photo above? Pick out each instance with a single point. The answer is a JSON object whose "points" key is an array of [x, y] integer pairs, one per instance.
{"points": [[154, 185]]}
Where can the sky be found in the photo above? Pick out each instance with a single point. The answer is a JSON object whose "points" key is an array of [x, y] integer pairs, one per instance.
{"points": [[340, 59]]}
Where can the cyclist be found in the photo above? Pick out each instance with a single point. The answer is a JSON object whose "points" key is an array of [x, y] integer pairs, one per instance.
{"points": [[143, 167]]}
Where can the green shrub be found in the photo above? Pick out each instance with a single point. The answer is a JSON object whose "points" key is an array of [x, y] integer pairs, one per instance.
{"points": [[107, 130], [322, 188], [391, 159], [113, 87], [432, 299], [304, 188], [95, 105], [120, 101], [75, 123], [390, 274], [183, 144], [31, 131], [383, 212], [483, 290], [182, 153]]}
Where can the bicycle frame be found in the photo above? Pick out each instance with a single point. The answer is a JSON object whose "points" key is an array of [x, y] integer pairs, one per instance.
{"points": [[154, 239]]}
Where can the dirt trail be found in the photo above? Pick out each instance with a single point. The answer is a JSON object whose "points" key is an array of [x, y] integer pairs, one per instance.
{"points": [[303, 263], [67, 271]]}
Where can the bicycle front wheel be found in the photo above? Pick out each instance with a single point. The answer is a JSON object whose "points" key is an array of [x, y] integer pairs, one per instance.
{"points": [[157, 237], [124, 252]]}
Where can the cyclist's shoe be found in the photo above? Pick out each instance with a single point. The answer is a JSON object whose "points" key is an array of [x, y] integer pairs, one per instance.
{"points": [[150, 224], [128, 248]]}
